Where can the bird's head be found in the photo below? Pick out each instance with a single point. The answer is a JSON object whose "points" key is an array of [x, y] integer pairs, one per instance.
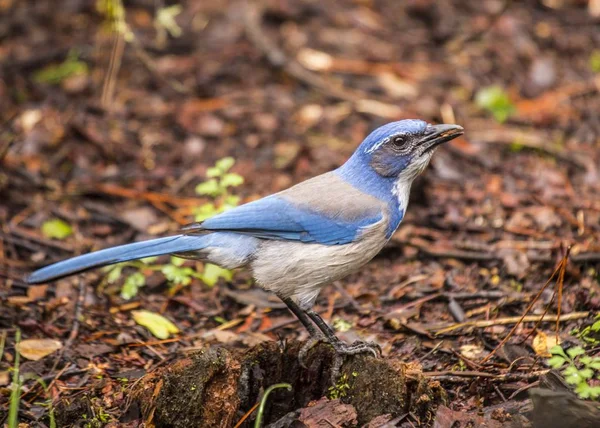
{"points": [[403, 149]]}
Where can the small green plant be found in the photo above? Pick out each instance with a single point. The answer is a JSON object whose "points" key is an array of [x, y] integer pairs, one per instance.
{"points": [[340, 389], [15, 393], [218, 188], [56, 229], [263, 401], [578, 368], [165, 23], [495, 100], [48, 402], [589, 334], [54, 74]]}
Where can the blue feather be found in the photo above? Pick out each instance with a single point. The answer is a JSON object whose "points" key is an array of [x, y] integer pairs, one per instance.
{"points": [[276, 218], [122, 253]]}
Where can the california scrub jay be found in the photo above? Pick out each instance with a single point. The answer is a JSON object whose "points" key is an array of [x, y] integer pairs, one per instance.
{"points": [[298, 240]]}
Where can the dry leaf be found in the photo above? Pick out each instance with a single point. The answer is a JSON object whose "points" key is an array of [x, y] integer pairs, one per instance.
{"points": [[314, 60], [4, 378], [36, 349], [542, 343], [472, 352]]}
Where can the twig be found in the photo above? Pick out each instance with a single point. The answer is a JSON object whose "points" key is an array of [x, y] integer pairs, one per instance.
{"points": [[459, 376], [558, 269], [508, 320], [248, 413], [108, 88]]}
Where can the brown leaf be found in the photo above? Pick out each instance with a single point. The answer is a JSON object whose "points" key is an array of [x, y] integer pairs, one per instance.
{"points": [[36, 349], [445, 418], [542, 343]]}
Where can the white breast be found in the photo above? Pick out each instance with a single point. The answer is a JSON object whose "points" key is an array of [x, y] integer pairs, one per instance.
{"points": [[294, 269]]}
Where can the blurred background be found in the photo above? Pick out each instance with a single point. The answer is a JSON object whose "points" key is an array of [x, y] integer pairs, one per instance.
{"points": [[120, 120]]}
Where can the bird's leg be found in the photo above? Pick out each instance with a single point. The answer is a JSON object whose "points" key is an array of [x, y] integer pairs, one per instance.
{"points": [[323, 332], [302, 316], [341, 347], [315, 334]]}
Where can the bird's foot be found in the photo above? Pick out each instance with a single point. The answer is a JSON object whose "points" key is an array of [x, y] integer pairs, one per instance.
{"points": [[341, 349], [358, 347], [310, 343]]}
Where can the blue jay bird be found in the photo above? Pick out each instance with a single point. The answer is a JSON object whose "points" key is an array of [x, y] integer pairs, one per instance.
{"points": [[298, 240]]}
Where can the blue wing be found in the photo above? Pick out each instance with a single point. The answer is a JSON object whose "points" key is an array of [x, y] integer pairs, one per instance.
{"points": [[274, 217]]}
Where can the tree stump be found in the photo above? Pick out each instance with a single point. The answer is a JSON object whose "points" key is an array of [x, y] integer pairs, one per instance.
{"points": [[217, 386]]}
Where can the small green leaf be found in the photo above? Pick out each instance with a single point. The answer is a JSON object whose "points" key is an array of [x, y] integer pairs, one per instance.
{"points": [[341, 325], [209, 188], [495, 100], [220, 320], [212, 273], [583, 390], [231, 201], [232, 180], [177, 261], [149, 260], [158, 325], [205, 211], [575, 351], [586, 373], [213, 172], [177, 275], [132, 284], [558, 350], [573, 379], [114, 274], [225, 164], [165, 18], [556, 362], [54, 74], [56, 229], [593, 392]]}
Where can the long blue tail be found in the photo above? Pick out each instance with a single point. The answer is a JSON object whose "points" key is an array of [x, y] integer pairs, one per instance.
{"points": [[122, 253]]}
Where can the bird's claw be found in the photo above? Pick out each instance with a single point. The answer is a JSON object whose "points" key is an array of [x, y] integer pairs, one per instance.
{"points": [[310, 343], [341, 349], [358, 347]]}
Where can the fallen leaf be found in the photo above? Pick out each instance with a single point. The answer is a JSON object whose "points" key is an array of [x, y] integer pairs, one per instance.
{"points": [[4, 378], [56, 228], [314, 60], [36, 349], [542, 343], [158, 325], [472, 352]]}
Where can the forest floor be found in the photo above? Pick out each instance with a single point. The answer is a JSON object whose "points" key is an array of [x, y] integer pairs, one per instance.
{"points": [[111, 134]]}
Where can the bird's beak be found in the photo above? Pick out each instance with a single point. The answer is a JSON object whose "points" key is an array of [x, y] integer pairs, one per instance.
{"points": [[438, 134]]}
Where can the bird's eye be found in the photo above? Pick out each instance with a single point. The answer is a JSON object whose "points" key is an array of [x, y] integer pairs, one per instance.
{"points": [[398, 140]]}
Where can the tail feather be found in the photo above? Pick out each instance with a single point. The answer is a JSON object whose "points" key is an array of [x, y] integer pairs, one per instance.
{"points": [[122, 253]]}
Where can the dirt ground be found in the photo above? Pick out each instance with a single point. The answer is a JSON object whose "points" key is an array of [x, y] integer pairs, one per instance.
{"points": [[289, 89]]}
